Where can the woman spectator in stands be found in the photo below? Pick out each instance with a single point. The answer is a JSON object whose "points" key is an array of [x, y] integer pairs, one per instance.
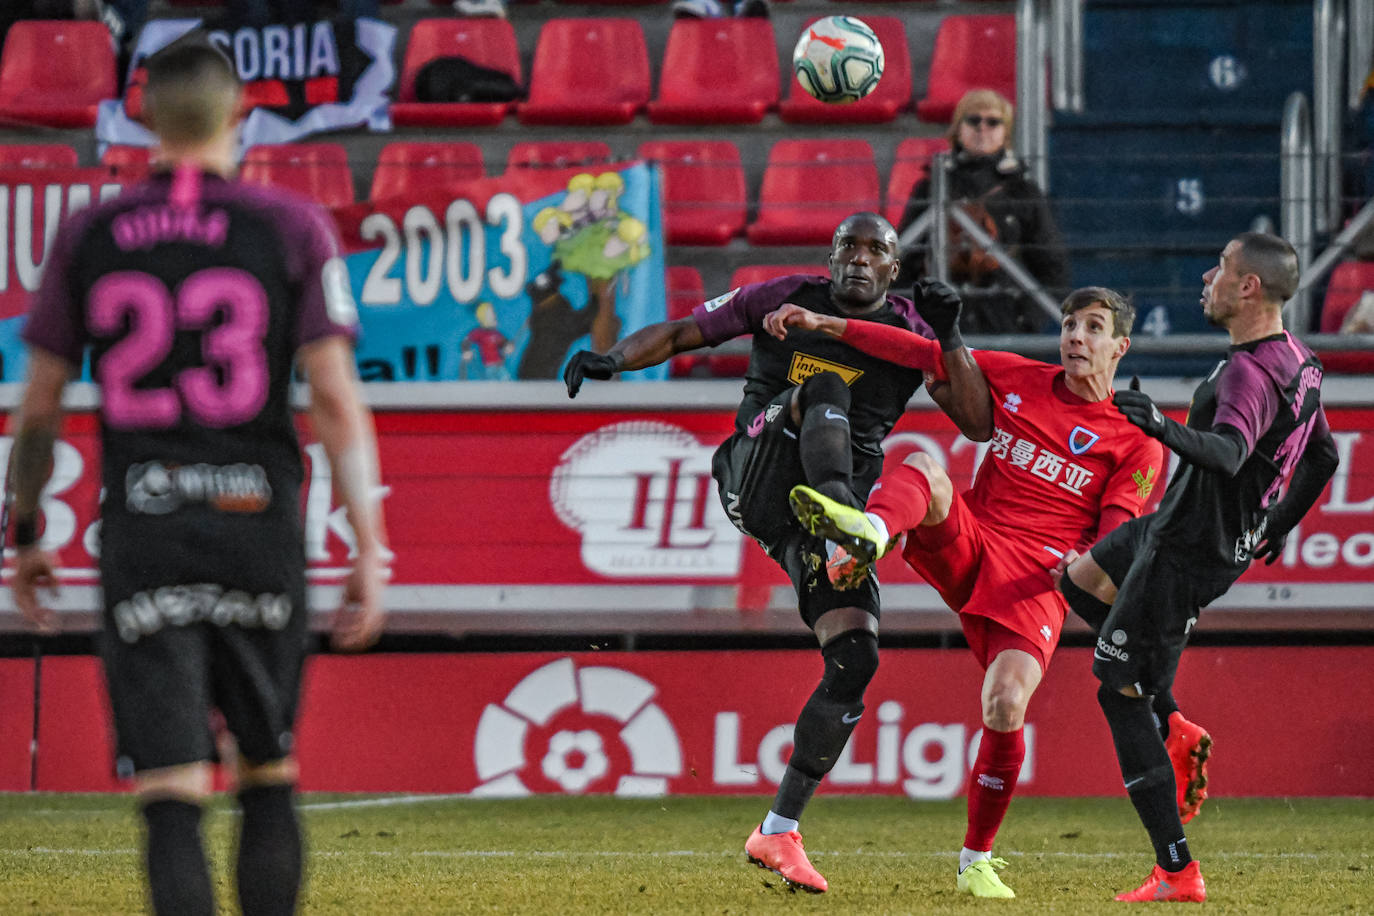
{"points": [[990, 183]]}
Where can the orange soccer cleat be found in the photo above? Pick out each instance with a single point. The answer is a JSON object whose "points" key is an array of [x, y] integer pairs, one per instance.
{"points": [[1189, 746], [782, 853], [1185, 886]]}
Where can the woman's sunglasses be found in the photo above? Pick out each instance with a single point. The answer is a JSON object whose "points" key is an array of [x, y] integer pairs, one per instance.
{"points": [[980, 120]]}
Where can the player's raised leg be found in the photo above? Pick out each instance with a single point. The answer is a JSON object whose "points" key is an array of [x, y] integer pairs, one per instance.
{"points": [[1189, 748]]}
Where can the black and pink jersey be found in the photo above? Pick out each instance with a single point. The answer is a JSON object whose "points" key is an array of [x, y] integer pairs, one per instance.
{"points": [[880, 390], [193, 294], [1269, 390]]}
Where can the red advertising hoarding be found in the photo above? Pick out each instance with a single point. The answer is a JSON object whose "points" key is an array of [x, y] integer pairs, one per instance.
{"points": [[689, 723], [536, 518]]}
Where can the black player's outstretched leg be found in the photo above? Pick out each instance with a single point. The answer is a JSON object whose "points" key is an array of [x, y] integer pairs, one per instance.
{"points": [[827, 455]]}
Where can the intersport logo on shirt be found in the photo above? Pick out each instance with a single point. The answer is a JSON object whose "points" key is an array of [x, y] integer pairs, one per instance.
{"points": [[642, 497]]}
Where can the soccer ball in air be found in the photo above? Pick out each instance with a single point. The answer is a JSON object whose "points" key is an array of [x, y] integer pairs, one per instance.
{"points": [[838, 59]]}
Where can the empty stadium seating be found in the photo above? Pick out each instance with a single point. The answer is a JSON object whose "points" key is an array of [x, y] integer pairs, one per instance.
{"points": [[54, 73], [1349, 281], [489, 42], [809, 186], [558, 154], [404, 167], [910, 164], [128, 162], [587, 71], [884, 103], [685, 292], [717, 71], [38, 156], [703, 189], [317, 170], [971, 52]]}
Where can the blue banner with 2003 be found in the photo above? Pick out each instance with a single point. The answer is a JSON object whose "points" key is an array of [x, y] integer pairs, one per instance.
{"points": [[504, 278]]}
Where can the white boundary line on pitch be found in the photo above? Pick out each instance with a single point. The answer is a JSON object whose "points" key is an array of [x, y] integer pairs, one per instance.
{"points": [[680, 853]]}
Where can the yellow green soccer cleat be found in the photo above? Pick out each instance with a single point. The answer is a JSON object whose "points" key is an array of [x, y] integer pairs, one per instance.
{"points": [[980, 879], [848, 527]]}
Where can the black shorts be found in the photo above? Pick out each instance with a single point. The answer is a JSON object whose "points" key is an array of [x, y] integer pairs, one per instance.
{"points": [[1159, 598], [173, 653], [754, 475]]}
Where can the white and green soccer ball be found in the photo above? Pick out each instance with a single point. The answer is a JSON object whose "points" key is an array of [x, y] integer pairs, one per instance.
{"points": [[838, 59]]}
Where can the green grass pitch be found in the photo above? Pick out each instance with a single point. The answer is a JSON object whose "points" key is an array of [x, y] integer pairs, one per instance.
{"points": [[600, 855]]}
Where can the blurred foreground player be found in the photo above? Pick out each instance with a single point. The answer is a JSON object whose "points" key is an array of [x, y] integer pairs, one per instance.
{"points": [[1064, 467], [195, 294], [1256, 420], [815, 411]]}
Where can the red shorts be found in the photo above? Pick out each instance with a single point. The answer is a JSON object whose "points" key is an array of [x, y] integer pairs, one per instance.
{"points": [[983, 573]]}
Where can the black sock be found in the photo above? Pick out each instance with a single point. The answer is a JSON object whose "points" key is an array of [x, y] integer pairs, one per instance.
{"points": [[794, 792], [269, 865], [1147, 774], [827, 458], [178, 874], [1164, 706]]}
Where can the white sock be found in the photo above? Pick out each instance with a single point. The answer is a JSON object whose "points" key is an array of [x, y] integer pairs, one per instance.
{"points": [[776, 823], [968, 856], [881, 525]]}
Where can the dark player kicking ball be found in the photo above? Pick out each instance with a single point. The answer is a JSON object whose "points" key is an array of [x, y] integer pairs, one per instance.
{"points": [[815, 412]]}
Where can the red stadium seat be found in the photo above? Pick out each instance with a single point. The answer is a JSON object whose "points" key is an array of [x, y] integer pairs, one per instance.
{"points": [[809, 186], [1349, 281], [910, 165], [760, 273], [38, 156], [883, 104], [405, 168], [703, 189], [717, 71], [971, 52], [54, 73], [558, 154], [317, 170], [131, 163], [489, 42], [587, 71], [685, 292]]}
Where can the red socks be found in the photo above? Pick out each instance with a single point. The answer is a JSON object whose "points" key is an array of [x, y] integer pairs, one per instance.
{"points": [[901, 498], [991, 785]]}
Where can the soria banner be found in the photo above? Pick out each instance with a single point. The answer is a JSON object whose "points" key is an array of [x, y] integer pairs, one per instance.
{"points": [[503, 278], [302, 79]]}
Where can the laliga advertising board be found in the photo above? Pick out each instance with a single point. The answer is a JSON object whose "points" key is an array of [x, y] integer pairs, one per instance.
{"points": [[604, 519]]}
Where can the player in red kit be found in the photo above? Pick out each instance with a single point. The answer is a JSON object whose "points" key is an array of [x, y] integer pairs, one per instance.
{"points": [[1063, 467]]}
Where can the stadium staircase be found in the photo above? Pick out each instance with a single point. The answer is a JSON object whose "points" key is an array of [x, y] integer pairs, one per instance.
{"points": [[1176, 149]]}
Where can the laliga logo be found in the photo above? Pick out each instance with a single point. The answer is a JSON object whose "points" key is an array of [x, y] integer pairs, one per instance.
{"points": [[564, 717], [641, 495]]}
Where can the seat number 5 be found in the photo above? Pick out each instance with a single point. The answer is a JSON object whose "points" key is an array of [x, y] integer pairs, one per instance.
{"points": [[227, 304]]}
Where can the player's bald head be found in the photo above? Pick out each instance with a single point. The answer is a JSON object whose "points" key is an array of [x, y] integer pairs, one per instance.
{"points": [[866, 223], [192, 91], [1272, 260]]}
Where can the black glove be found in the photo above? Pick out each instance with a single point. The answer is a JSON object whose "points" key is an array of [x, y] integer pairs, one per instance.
{"points": [[1137, 407], [939, 304], [586, 364], [1271, 548]]}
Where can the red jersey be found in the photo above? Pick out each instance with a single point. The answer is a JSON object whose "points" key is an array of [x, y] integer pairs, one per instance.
{"points": [[1056, 461]]}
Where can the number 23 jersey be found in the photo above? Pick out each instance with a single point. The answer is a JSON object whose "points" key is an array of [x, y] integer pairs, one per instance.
{"points": [[193, 293]]}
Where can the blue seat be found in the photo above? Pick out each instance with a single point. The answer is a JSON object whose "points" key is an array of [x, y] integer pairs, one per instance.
{"points": [[1204, 63], [1168, 187]]}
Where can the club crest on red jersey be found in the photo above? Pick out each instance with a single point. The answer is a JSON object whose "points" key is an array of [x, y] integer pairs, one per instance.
{"points": [[1081, 439]]}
